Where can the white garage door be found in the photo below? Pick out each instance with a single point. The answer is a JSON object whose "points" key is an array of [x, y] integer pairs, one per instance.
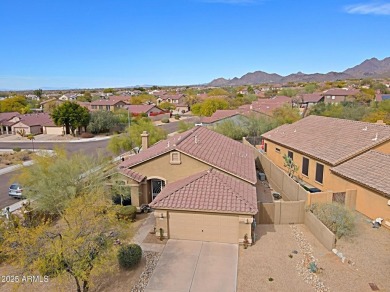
{"points": [[205, 227]]}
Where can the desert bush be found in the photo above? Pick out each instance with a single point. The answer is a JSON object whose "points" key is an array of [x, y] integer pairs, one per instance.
{"points": [[87, 135], [177, 117], [126, 212], [339, 219], [129, 255], [165, 120], [17, 149]]}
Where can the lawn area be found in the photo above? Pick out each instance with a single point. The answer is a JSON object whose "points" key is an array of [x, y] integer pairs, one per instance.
{"points": [[367, 260]]}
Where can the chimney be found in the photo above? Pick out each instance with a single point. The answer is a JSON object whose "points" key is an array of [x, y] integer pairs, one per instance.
{"points": [[145, 140]]}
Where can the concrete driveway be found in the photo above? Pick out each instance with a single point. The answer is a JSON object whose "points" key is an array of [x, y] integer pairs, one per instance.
{"points": [[195, 266]]}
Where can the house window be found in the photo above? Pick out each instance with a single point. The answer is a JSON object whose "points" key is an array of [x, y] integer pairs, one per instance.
{"points": [[319, 173], [100, 107], [175, 158], [333, 97], [305, 166], [107, 107], [265, 147], [290, 154], [277, 150]]}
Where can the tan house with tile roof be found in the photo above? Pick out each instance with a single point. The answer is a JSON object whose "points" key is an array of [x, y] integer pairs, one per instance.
{"points": [[200, 183], [332, 155]]}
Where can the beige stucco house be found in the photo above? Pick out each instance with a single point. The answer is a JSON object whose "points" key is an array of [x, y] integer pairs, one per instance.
{"points": [[336, 155], [200, 183]]}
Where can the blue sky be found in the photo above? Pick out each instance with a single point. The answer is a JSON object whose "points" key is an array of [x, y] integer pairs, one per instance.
{"points": [[101, 43]]}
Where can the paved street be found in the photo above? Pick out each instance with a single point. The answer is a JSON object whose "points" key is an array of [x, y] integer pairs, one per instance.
{"points": [[5, 181], [86, 147]]}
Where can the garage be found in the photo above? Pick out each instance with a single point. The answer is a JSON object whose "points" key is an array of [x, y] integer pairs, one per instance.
{"points": [[203, 226]]}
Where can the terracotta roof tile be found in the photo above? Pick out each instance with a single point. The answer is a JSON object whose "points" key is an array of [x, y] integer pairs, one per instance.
{"points": [[220, 115], [38, 119], [329, 139], [207, 146], [132, 174], [210, 190], [371, 169], [8, 115]]}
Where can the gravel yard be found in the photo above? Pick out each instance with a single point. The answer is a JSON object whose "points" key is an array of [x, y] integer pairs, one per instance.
{"points": [[283, 253]]}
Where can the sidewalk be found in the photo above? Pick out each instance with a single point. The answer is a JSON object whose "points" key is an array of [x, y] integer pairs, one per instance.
{"points": [[15, 167], [143, 231]]}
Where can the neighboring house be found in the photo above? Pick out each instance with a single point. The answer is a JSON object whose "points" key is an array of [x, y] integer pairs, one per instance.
{"points": [[221, 116], [326, 150], [381, 97], [32, 97], [35, 124], [68, 97], [107, 105], [337, 95], [125, 98], [266, 105], [7, 119], [48, 105], [310, 99], [200, 183], [178, 100], [149, 109]]}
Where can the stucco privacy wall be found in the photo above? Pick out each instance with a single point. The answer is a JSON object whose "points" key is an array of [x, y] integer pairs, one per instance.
{"points": [[320, 231], [279, 180], [281, 212]]}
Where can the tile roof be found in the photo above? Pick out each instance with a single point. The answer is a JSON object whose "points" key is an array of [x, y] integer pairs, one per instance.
{"points": [[329, 139], [312, 97], [132, 174], [209, 190], [219, 115], [205, 145], [371, 169], [107, 102], [140, 108], [39, 119], [8, 115]]}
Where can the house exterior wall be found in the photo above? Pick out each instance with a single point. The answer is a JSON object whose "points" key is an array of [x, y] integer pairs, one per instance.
{"points": [[162, 168], [28, 130], [384, 148], [368, 202], [230, 228]]}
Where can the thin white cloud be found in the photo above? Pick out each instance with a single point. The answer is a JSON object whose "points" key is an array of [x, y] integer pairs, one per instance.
{"points": [[370, 8], [232, 1]]}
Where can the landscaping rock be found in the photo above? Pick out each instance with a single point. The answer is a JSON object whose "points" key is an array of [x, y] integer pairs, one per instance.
{"points": [[304, 267], [151, 263]]}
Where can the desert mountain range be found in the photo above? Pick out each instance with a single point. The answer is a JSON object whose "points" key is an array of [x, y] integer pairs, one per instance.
{"points": [[371, 68]]}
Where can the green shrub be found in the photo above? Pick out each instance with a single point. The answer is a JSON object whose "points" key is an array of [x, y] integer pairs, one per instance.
{"points": [[339, 219], [165, 120], [17, 149], [177, 117], [129, 255], [126, 212]]}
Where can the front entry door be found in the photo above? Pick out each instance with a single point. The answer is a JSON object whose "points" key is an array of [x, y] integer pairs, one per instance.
{"points": [[157, 186]]}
